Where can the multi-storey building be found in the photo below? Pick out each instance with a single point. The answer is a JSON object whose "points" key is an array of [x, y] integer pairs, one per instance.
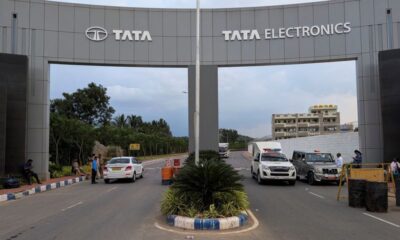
{"points": [[320, 119]]}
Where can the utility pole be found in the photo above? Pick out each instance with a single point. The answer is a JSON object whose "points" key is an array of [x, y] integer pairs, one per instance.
{"points": [[197, 111]]}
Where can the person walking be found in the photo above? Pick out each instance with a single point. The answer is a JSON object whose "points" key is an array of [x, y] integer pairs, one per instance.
{"points": [[339, 160], [28, 173], [357, 160], [395, 167], [94, 169]]}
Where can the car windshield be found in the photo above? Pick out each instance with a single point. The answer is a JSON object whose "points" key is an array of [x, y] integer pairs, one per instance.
{"points": [[118, 160], [223, 149], [319, 157], [269, 158]]}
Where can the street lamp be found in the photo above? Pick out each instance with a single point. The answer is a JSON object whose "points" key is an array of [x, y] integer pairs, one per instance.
{"points": [[197, 111]]}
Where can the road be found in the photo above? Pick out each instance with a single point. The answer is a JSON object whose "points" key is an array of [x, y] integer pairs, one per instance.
{"points": [[128, 211]]}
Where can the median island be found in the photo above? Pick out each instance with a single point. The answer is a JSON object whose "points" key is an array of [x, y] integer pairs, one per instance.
{"points": [[207, 196]]}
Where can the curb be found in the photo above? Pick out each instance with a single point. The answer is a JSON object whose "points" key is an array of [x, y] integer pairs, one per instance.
{"points": [[207, 223], [41, 188]]}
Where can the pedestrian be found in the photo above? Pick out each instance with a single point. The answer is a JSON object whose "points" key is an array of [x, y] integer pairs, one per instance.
{"points": [[357, 160], [76, 169], [94, 169], [395, 167], [339, 160], [28, 173]]}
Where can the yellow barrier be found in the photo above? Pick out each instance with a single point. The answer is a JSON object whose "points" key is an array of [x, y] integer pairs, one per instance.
{"points": [[369, 174], [377, 172]]}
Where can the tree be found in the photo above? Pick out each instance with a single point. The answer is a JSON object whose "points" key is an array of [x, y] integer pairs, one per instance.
{"points": [[120, 121], [228, 135], [135, 122], [90, 105], [82, 135], [59, 130]]}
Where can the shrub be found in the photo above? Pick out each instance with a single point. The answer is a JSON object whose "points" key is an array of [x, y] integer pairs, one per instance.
{"points": [[211, 189]]}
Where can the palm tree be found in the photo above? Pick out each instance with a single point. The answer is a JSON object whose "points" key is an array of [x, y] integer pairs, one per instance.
{"points": [[135, 122], [120, 121]]}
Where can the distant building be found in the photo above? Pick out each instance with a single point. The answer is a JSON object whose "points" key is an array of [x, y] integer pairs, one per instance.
{"points": [[320, 120]]}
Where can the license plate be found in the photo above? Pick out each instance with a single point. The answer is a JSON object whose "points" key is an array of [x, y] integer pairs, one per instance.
{"points": [[332, 178], [116, 169]]}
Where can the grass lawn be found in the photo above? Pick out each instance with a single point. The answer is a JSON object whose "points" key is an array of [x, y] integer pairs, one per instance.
{"points": [[147, 158]]}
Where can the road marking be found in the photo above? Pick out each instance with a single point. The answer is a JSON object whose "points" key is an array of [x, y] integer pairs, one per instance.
{"points": [[382, 220], [111, 189], [317, 195], [73, 205]]}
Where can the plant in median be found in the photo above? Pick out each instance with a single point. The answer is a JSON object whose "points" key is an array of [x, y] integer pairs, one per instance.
{"points": [[211, 189]]}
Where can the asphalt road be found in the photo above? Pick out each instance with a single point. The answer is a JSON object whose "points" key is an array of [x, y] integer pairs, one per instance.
{"points": [[128, 211]]}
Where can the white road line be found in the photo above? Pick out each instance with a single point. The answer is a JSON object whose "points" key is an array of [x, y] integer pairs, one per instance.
{"points": [[111, 189], [382, 220], [73, 205], [317, 195]]}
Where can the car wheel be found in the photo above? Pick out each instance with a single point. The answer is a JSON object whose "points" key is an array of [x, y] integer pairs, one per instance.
{"points": [[106, 181], [252, 173], [259, 180], [311, 178], [133, 177], [292, 182], [141, 175]]}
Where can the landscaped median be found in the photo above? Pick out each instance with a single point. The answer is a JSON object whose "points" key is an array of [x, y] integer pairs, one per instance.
{"points": [[208, 195], [13, 194], [208, 223]]}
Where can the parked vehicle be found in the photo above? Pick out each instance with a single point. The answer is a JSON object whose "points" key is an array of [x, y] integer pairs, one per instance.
{"points": [[123, 168], [271, 165], [316, 167], [224, 150], [256, 147]]}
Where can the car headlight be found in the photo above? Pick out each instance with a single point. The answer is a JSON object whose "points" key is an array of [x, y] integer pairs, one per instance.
{"points": [[339, 170], [318, 170], [291, 168], [265, 167]]}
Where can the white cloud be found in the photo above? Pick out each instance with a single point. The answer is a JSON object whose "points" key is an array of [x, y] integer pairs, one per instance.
{"points": [[250, 95]]}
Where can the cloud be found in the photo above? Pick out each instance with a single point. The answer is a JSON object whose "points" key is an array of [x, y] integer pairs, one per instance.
{"points": [[248, 96]]}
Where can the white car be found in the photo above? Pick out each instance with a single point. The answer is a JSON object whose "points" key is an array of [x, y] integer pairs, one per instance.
{"points": [[270, 165], [123, 168]]}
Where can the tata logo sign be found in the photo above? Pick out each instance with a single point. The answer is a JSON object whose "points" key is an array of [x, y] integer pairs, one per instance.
{"points": [[96, 34], [290, 32], [100, 34]]}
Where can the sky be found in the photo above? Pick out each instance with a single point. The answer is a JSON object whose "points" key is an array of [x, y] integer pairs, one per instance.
{"points": [[157, 93]]}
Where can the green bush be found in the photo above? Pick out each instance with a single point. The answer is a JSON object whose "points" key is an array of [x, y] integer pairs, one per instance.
{"points": [[211, 189]]}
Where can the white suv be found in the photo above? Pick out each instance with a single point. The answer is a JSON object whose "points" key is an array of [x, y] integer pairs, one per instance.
{"points": [[123, 168], [272, 166]]}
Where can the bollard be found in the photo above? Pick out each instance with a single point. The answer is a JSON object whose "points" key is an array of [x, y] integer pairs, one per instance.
{"points": [[166, 175], [357, 192], [376, 198]]}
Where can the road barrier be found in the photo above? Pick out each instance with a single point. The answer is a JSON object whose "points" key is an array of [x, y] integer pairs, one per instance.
{"points": [[166, 175], [376, 197], [379, 181], [357, 192]]}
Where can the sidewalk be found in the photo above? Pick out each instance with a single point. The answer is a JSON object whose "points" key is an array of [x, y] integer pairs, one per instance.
{"points": [[26, 190]]}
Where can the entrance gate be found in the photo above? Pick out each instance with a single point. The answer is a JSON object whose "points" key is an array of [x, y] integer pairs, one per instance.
{"points": [[336, 30]]}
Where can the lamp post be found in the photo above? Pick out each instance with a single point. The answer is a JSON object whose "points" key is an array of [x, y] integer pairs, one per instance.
{"points": [[197, 111]]}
